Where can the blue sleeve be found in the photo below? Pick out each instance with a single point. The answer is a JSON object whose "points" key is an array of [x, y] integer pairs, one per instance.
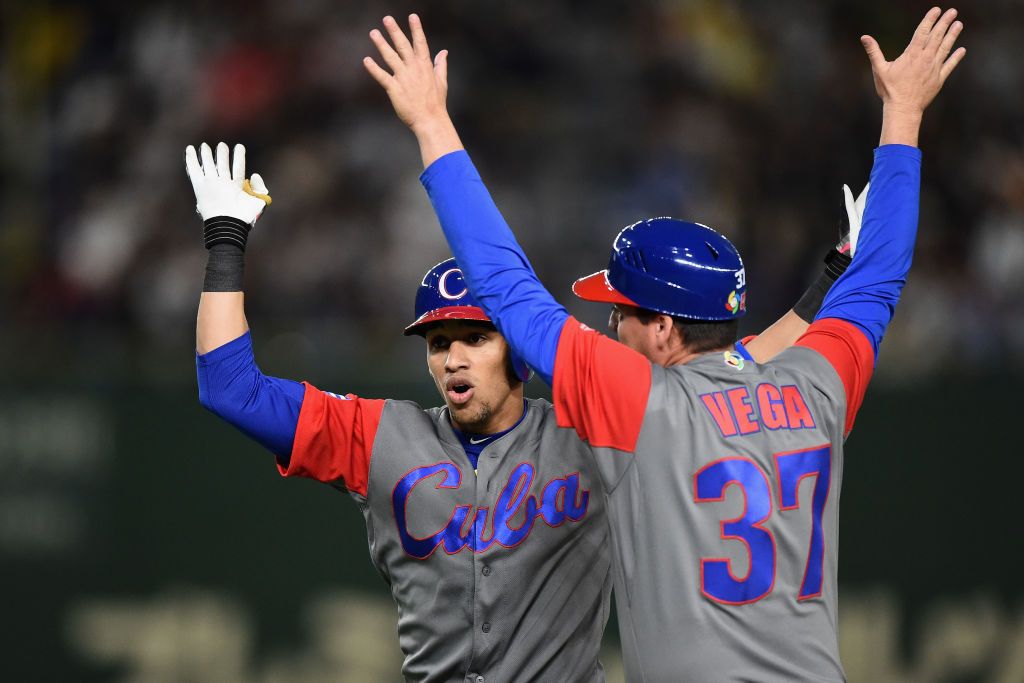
{"points": [[867, 293], [493, 265], [264, 408]]}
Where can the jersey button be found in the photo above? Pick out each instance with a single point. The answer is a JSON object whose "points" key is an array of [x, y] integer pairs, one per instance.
{"points": [[479, 679], [486, 571], [486, 628]]}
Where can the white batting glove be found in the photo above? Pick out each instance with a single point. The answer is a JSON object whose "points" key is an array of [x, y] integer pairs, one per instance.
{"points": [[221, 188], [854, 216]]}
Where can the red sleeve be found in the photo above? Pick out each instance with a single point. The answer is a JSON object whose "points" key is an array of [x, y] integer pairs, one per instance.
{"points": [[334, 439], [848, 350], [600, 387]]}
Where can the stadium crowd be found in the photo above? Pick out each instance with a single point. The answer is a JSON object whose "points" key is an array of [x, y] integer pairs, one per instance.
{"points": [[582, 116]]}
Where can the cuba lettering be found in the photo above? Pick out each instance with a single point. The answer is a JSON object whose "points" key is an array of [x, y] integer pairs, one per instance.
{"points": [[562, 499], [753, 529]]}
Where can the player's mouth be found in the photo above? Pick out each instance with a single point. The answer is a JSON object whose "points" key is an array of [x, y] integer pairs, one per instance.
{"points": [[458, 391]]}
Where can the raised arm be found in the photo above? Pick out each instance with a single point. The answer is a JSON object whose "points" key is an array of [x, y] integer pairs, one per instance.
{"points": [[230, 383], [784, 332], [857, 310], [867, 293], [493, 264]]}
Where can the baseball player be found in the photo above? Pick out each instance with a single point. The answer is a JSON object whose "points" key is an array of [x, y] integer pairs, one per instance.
{"points": [[480, 515], [483, 516], [722, 475]]}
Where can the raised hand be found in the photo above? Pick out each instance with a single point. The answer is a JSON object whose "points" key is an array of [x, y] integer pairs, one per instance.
{"points": [[416, 85], [908, 84], [221, 187]]}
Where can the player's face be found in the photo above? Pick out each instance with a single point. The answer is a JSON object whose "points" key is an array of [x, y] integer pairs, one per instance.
{"points": [[630, 330], [469, 364]]}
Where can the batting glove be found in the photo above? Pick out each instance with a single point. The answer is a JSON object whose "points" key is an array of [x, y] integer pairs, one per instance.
{"points": [[850, 229], [228, 203]]}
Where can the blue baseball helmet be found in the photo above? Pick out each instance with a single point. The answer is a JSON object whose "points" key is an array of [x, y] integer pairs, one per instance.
{"points": [[443, 295], [673, 267]]}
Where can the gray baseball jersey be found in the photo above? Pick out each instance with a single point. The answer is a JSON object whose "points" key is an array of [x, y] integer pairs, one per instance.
{"points": [[723, 481], [502, 575]]}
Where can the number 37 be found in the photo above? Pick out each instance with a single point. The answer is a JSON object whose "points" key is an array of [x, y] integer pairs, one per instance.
{"points": [[709, 485]]}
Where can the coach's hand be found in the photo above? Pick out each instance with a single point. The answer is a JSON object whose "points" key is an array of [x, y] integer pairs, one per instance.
{"points": [[221, 187], [416, 85], [908, 84]]}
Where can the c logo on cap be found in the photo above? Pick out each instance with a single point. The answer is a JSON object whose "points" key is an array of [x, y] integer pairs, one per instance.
{"points": [[443, 289]]}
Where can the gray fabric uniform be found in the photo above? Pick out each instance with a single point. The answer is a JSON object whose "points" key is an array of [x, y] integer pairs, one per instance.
{"points": [[530, 603], [673, 626]]}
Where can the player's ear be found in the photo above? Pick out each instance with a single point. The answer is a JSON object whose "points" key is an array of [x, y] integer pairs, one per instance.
{"points": [[664, 327], [677, 337]]}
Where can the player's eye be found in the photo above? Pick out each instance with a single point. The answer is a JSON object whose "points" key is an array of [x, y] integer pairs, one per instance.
{"points": [[438, 343], [478, 338]]}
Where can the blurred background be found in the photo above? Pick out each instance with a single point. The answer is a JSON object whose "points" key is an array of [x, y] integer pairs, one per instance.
{"points": [[143, 540]]}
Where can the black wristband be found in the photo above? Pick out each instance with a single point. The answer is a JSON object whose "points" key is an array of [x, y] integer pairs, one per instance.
{"points": [[225, 269], [810, 303], [836, 263], [226, 230]]}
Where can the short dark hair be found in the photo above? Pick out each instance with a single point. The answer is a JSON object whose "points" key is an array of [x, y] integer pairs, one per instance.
{"points": [[698, 335]]}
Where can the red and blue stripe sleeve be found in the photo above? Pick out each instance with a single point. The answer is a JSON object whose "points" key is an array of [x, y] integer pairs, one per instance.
{"points": [[334, 439], [867, 293], [313, 433], [493, 264], [848, 351]]}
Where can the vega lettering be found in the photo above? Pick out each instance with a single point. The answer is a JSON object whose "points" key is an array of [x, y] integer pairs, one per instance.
{"points": [[561, 499]]}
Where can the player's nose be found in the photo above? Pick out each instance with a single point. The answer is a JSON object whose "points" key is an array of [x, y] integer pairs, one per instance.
{"points": [[613, 323], [457, 357]]}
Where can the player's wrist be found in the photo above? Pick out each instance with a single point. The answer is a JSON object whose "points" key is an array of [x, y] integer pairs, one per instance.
{"points": [[810, 303], [226, 230], [901, 124], [903, 111], [225, 268], [432, 124], [437, 137]]}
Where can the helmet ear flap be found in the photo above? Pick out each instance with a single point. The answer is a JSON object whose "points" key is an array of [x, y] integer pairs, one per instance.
{"points": [[520, 369], [517, 368]]}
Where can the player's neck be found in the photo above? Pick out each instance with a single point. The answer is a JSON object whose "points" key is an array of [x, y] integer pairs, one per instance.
{"points": [[683, 354]]}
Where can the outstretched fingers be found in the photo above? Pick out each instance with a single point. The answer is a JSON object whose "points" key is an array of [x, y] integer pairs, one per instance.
{"points": [[387, 53], [379, 73], [402, 44], [940, 29], [874, 53], [238, 164], [924, 29], [949, 40], [441, 68], [419, 38], [258, 185], [192, 167], [209, 167], [951, 63], [223, 163]]}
